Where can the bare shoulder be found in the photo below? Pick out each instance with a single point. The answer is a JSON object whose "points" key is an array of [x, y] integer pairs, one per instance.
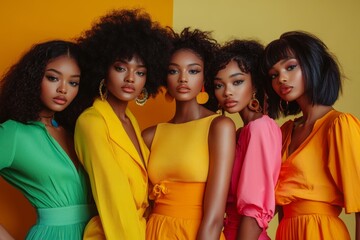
{"points": [[222, 122], [148, 135], [222, 125]]}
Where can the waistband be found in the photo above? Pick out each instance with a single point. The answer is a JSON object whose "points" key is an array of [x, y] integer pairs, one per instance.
{"points": [[178, 199], [65, 215], [304, 207]]}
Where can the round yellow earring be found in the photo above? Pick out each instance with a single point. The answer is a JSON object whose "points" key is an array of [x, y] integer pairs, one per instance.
{"points": [[202, 97]]}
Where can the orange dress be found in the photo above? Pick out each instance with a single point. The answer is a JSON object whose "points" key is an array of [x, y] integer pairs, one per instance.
{"points": [[319, 179], [178, 169]]}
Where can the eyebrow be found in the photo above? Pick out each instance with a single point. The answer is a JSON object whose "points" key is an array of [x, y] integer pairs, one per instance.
{"points": [[60, 73], [287, 59], [232, 75], [126, 62], [282, 61], [191, 64]]}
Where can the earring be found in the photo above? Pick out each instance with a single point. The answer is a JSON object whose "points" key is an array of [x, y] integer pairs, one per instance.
{"points": [[254, 104], [220, 110], [202, 97], [142, 98], [102, 87], [281, 107]]}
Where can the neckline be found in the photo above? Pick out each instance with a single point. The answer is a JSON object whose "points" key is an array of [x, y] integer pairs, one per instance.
{"points": [[317, 121], [199, 119]]}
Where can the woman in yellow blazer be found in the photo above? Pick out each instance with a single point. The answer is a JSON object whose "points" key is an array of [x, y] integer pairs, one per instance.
{"points": [[127, 56]]}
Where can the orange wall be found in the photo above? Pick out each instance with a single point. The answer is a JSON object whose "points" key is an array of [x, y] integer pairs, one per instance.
{"points": [[23, 23]]}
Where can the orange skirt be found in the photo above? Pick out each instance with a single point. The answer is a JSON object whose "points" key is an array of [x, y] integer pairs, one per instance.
{"points": [[94, 230], [308, 220], [177, 212]]}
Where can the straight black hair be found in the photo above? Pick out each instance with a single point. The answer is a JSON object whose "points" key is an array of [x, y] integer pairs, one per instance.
{"points": [[319, 67]]}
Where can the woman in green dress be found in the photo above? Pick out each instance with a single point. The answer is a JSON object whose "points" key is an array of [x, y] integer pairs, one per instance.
{"points": [[39, 103]]}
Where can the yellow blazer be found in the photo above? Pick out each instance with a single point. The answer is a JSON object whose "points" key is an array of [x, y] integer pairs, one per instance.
{"points": [[117, 174]]}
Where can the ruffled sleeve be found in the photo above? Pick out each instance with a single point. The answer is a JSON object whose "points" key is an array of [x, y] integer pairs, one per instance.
{"points": [[8, 131], [344, 159], [260, 170]]}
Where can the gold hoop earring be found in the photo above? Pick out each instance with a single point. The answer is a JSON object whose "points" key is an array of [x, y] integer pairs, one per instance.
{"points": [[220, 110], [142, 98], [254, 104], [202, 97], [102, 87], [281, 107]]}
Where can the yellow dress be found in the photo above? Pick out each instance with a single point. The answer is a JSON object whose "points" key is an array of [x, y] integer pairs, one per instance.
{"points": [[178, 169], [117, 174], [319, 179]]}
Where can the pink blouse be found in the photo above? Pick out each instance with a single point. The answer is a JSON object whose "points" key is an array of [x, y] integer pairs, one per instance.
{"points": [[254, 176]]}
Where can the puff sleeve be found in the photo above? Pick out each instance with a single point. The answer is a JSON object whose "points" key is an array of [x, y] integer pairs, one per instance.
{"points": [[261, 152], [344, 159]]}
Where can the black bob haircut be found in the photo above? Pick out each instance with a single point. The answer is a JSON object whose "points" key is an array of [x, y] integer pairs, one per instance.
{"points": [[320, 70]]}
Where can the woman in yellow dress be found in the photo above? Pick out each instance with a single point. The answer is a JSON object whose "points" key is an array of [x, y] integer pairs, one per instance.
{"points": [[127, 55], [192, 154], [320, 161]]}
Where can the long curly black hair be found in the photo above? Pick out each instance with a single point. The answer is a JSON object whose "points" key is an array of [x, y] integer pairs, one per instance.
{"points": [[20, 87], [201, 43], [247, 54], [121, 35]]}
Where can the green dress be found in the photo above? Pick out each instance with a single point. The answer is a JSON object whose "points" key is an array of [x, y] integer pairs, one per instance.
{"points": [[33, 161]]}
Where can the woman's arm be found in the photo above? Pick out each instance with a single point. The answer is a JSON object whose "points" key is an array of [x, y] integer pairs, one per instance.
{"points": [[4, 235], [221, 153], [248, 228]]}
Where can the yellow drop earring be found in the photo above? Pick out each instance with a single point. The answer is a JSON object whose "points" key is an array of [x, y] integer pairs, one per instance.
{"points": [[203, 96]]}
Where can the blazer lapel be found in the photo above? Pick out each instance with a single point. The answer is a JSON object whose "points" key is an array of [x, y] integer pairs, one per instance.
{"points": [[118, 134]]}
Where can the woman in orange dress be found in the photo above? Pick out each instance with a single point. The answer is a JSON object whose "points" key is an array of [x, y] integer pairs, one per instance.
{"points": [[191, 155], [320, 162]]}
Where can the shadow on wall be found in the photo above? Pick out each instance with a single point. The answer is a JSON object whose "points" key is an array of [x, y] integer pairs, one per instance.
{"points": [[15, 211]]}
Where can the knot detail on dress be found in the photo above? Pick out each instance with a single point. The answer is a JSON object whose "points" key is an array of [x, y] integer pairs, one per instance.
{"points": [[158, 191]]}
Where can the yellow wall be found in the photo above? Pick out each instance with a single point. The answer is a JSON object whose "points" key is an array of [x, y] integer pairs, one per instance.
{"points": [[23, 23], [337, 23]]}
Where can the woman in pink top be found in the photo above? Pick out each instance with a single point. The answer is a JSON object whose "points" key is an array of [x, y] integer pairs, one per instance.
{"points": [[238, 88]]}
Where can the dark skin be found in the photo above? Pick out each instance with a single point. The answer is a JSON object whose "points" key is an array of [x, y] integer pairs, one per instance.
{"points": [[221, 150], [303, 127], [4, 235], [64, 139], [233, 84], [123, 75], [60, 81], [221, 139], [310, 113], [248, 227], [119, 109]]}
